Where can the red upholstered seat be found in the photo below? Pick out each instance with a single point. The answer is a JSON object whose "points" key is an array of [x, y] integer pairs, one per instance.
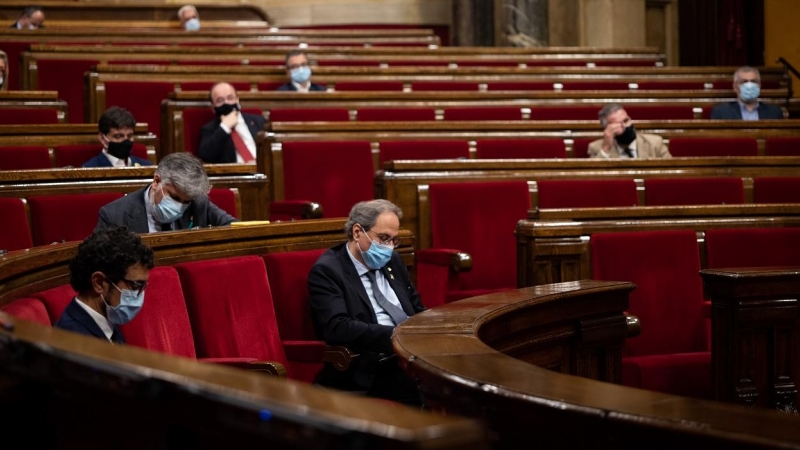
{"points": [[139, 62], [395, 114], [348, 63], [66, 77], [483, 113], [444, 86], [335, 174], [28, 116], [24, 158], [520, 86], [309, 115], [580, 147], [370, 86], [55, 300], [225, 198], [141, 98], [672, 353], [288, 279], [71, 217], [231, 310], [240, 86], [270, 85], [15, 232], [782, 146], [77, 155], [487, 63], [694, 191], [193, 121], [682, 147], [586, 193], [595, 86], [776, 190], [29, 309], [753, 247], [424, 149], [520, 148], [564, 113], [671, 85], [660, 112], [479, 219]]}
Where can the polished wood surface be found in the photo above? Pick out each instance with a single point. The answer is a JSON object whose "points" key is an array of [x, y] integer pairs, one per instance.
{"points": [[123, 11]]}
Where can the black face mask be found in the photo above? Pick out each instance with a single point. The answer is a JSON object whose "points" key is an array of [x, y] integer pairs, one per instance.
{"points": [[121, 150], [627, 136], [225, 109]]}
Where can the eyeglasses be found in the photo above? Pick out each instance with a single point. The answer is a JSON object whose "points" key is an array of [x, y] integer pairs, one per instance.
{"points": [[386, 240], [138, 286]]}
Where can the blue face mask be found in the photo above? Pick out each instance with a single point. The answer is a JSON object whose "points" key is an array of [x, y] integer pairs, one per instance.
{"points": [[130, 303], [301, 74], [377, 255], [749, 91], [168, 210], [192, 25]]}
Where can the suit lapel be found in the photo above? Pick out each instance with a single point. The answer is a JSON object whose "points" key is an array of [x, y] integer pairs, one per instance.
{"points": [[353, 278], [642, 149], [137, 212], [82, 317]]}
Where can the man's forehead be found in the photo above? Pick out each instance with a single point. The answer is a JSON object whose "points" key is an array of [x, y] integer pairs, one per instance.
{"points": [[618, 116], [223, 90], [124, 131], [297, 59]]}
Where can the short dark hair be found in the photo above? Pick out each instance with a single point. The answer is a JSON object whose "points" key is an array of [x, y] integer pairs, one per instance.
{"points": [[29, 10], [111, 251], [294, 53], [116, 117]]}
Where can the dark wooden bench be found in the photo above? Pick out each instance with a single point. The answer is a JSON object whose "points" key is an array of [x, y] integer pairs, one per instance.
{"points": [[122, 13]]}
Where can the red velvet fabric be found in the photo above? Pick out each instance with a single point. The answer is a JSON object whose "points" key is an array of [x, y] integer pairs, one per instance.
{"points": [[28, 116], [659, 112], [370, 86], [309, 115], [595, 86], [487, 63], [776, 190], [441, 86], [139, 62], [288, 278], [434, 278], [564, 113], [423, 149], [225, 199], [269, 86], [193, 121], [694, 191], [66, 77], [15, 232], [671, 85], [287, 210], [586, 193], [70, 217], [520, 86], [141, 98], [335, 174], [395, 114], [417, 63], [30, 309], [241, 86], [685, 147], [782, 146], [55, 300], [520, 148], [24, 158], [77, 155], [230, 308], [483, 113], [580, 147], [162, 325], [753, 247], [348, 63], [687, 374]]}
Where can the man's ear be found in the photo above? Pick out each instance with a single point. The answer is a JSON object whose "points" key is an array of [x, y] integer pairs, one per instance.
{"points": [[101, 140], [98, 281]]}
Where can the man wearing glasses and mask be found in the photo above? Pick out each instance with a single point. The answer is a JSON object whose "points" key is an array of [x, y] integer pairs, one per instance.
{"points": [[620, 139], [110, 273], [299, 72], [115, 133], [359, 291], [177, 199]]}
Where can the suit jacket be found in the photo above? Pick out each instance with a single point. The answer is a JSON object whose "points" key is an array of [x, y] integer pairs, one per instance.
{"points": [[102, 161], [344, 315], [75, 318], [732, 111], [216, 146], [647, 146], [290, 87], [130, 211]]}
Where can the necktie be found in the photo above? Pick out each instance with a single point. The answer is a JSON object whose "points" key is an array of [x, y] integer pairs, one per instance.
{"points": [[628, 151], [396, 313], [241, 147]]}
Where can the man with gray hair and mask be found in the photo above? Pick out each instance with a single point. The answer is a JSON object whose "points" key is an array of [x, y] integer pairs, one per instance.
{"points": [[747, 85], [359, 291], [177, 199], [620, 139], [189, 17]]}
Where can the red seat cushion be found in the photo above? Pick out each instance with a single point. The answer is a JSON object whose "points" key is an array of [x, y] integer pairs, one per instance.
{"points": [[684, 147], [24, 158], [288, 278], [753, 247], [423, 149], [30, 309], [141, 98], [207, 85], [483, 113], [395, 114], [15, 232], [520, 86], [70, 217], [444, 86], [78, 155], [782, 146], [776, 190], [564, 113], [28, 116], [55, 300], [193, 121], [694, 191], [309, 115], [66, 77], [370, 86], [659, 112], [520, 148], [586, 193], [225, 199]]}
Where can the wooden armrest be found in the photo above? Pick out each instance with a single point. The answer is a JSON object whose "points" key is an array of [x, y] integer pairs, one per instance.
{"points": [[457, 261], [340, 357], [634, 326], [267, 367]]}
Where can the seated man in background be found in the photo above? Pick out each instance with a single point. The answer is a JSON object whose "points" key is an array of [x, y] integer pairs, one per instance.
{"points": [[3, 71], [747, 85], [189, 17], [231, 137], [359, 291], [299, 72], [32, 18], [620, 139], [115, 134], [177, 199], [110, 273]]}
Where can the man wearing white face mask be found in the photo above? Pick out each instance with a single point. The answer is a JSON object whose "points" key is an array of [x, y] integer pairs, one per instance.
{"points": [[189, 17], [747, 85], [299, 72], [177, 199], [359, 291], [110, 274]]}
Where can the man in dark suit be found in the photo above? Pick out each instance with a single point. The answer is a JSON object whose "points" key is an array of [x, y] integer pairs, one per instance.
{"points": [[231, 136], [115, 133], [747, 85], [299, 72], [32, 18], [177, 199], [110, 273], [359, 291]]}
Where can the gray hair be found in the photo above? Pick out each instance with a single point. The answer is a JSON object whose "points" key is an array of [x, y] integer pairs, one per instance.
{"points": [[743, 69], [186, 173], [186, 8], [608, 110], [366, 214]]}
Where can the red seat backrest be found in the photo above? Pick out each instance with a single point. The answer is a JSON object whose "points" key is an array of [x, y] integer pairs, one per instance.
{"points": [[66, 77], [659, 112], [580, 147], [685, 147], [776, 190], [30, 309], [668, 299], [288, 279], [28, 116], [520, 148], [141, 98], [370, 86], [78, 155], [671, 85], [15, 232], [309, 115], [269, 85], [423, 149], [520, 86], [55, 300], [193, 121], [444, 86], [395, 114], [595, 86], [334, 174], [24, 158], [587, 193], [480, 219], [240, 86], [782, 146], [71, 217], [694, 191], [753, 247], [225, 199], [564, 113], [483, 113]]}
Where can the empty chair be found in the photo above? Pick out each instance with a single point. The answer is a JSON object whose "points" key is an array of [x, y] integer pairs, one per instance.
{"points": [[444, 86], [71, 217], [395, 114], [423, 149], [55, 300], [483, 113], [520, 86], [685, 147], [776, 190], [309, 115], [587, 193], [672, 353], [564, 113], [782, 146], [141, 98], [753, 247], [66, 77], [15, 232], [241, 86], [28, 116], [29, 309], [694, 191], [520, 148], [226, 199], [370, 86], [78, 155], [24, 158]]}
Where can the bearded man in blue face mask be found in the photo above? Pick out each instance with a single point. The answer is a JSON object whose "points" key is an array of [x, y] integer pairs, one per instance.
{"points": [[747, 85], [110, 274], [177, 199], [359, 291], [299, 72]]}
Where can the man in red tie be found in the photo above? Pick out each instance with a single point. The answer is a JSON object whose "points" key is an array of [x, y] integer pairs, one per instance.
{"points": [[231, 136]]}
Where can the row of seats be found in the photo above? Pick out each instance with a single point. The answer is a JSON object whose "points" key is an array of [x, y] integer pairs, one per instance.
{"points": [[41, 157]]}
